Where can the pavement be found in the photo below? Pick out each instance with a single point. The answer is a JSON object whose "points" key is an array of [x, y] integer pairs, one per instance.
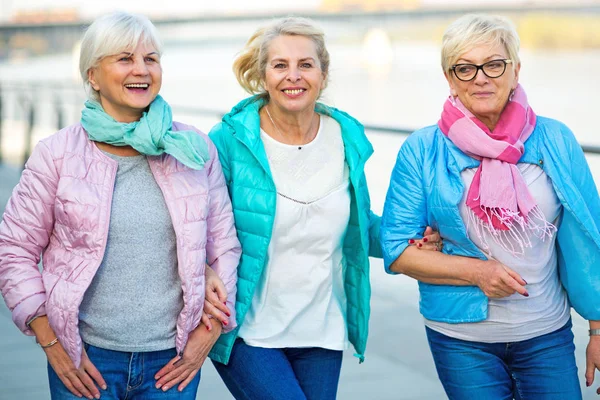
{"points": [[398, 363]]}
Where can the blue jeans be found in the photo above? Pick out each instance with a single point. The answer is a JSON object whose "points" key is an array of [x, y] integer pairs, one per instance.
{"points": [[257, 373], [542, 368], [128, 376]]}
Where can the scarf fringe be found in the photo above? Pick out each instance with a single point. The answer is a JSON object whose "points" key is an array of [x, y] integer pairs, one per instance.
{"points": [[517, 237]]}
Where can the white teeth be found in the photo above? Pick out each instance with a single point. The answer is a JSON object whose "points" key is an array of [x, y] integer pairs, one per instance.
{"points": [[137, 85], [294, 91]]}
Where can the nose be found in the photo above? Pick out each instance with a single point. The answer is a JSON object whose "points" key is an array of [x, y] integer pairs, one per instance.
{"points": [[480, 77], [293, 74], [139, 66]]}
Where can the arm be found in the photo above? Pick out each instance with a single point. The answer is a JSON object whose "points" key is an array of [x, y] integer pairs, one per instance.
{"points": [[405, 217], [24, 233], [223, 250]]}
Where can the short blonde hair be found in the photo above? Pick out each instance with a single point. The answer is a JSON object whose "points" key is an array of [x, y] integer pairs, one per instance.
{"points": [[473, 30], [113, 34], [250, 65]]}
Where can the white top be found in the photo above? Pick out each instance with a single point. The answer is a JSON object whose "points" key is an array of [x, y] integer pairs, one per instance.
{"points": [[300, 300], [516, 318]]}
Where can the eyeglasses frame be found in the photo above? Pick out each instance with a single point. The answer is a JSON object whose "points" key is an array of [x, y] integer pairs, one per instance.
{"points": [[506, 61]]}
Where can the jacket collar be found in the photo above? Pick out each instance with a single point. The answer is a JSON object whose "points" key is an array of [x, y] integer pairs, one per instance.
{"points": [[245, 121]]}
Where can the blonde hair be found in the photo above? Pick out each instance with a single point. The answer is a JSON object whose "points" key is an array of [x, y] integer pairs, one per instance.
{"points": [[473, 30], [113, 34], [250, 65]]}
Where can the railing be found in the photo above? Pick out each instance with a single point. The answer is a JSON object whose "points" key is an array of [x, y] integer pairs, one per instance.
{"points": [[29, 107]]}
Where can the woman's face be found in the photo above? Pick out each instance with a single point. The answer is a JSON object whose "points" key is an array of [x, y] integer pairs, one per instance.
{"points": [[485, 97], [293, 76], [128, 82]]}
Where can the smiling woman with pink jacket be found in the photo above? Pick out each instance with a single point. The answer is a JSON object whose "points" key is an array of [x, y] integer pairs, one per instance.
{"points": [[127, 207]]}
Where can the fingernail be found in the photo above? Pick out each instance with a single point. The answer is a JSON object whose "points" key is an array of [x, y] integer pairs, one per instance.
{"points": [[97, 396], [525, 282], [526, 294], [229, 315], [411, 241], [158, 385], [207, 328], [587, 383], [165, 388], [103, 387], [225, 302], [425, 240], [419, 244], [225, 322]]}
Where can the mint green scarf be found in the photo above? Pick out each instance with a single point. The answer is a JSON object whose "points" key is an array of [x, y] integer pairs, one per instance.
{"points": [[151, 135]]}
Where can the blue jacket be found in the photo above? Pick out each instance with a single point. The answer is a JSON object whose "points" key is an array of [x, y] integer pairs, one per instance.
{"points": [[426, 189], [253, 196]]}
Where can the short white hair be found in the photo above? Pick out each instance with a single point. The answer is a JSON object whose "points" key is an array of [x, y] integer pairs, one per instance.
{"points": [[472, 30], [113, 34]]}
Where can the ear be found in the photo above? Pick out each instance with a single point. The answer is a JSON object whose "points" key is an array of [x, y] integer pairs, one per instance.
{"points": [[323, 82], [516, 78], [92, 79], [451, 84]]}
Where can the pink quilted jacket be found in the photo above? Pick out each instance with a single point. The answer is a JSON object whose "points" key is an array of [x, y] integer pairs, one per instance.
{"points": [[61, 208]]}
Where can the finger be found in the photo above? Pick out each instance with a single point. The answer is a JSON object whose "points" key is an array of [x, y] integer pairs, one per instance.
{"points": [[89, 384], [434, 237], [177, 379], [515, 276], [428, 231], [214, 299], [79, 385], [167, 368], [171, 376], [429, 246], [206, 321], [513, 284], [70, 386], [590, 370], [93, 372], [212, 310], [187, 380], [221, 292]]}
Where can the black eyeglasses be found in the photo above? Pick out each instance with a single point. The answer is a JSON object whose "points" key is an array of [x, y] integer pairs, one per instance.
{"points": [[491, 69]]}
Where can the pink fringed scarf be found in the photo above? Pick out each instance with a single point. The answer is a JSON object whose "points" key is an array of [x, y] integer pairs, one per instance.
{"points": [[498, 196]]}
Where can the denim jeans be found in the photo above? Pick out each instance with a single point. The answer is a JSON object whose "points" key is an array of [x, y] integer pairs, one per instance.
{"points": [[257, 373], [128, 376], [542, 368]]}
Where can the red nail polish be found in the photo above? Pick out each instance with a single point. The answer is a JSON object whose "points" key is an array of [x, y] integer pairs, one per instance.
{"points": [[425, 240], [229, 315], [525, 282], [411, 241], [587, 383], [526, 294], [225, 322], [419, 245], [207, 328]]}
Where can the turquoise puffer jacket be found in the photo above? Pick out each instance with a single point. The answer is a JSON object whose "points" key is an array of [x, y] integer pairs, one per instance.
{"points": [[253, 197], [426, 189]]}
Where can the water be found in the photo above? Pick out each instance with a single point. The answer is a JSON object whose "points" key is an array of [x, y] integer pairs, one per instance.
{"points": [[408, 93]]}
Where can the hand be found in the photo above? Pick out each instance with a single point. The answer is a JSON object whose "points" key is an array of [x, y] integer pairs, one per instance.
{"points": [[592, 356], [215, 299], [496, 280], [79, 381], [431, 240], [182, 369]]}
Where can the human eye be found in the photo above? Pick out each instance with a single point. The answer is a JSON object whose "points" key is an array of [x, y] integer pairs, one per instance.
{"points": [[151, 59], [465, 69], [306, 65], [279, 65], [494, 65]]}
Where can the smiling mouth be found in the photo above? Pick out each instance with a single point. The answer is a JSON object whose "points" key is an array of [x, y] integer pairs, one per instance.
{"points": [[293, 92], [137, 86]]}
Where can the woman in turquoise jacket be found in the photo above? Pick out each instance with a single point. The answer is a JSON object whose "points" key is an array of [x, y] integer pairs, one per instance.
{"points": [[295, 173], [513, 198]]}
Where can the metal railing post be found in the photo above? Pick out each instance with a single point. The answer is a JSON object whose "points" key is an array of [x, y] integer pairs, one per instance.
{"points": [[29, 131]]}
